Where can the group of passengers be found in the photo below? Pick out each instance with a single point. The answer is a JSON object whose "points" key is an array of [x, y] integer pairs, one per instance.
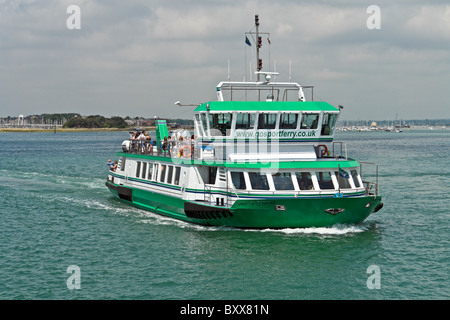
{"points": [[141, 141], [180, 144]]}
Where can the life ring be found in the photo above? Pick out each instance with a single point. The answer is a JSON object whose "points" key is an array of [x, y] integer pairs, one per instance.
{"points": [[186, 151], [324, 151]]}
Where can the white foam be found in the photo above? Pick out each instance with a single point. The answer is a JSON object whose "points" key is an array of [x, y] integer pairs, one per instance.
{"points": [[333, 230]]}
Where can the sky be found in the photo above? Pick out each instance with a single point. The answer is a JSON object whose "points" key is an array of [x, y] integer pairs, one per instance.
{"points": [[136, 58]]}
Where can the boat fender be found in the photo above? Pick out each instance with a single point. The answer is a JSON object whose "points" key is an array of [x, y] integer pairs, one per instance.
{"points": [[186, 151], [324, 151], [378, 208]]}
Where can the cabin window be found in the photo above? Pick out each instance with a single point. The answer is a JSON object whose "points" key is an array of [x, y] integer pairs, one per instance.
{"points": [[155, 176], [343, 179], [144, 169], [122, 164], [138, 169], [204, 122], [288, 121], [220, 123], [310, 120], [245, 121], [212, 175], [238, 180], [304, 180], [199, 124], [176, 179], [355, 178], [163, 173], [150, 171], [267, 120], [258, 181], [325, 181], [169, 174], [282, 181], [328, 123]]}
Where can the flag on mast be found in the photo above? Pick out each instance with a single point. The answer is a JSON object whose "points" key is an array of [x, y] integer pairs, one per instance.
{"points": [[247, 41]]}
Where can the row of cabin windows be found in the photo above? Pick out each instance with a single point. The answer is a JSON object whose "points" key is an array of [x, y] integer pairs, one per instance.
{"points": [[295, 180], [158, 172], [221, 123]]}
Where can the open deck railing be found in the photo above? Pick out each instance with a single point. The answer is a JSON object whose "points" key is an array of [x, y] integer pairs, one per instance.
{"points": [[169, 149], [219, 200], [342, 150], [372, 188]]}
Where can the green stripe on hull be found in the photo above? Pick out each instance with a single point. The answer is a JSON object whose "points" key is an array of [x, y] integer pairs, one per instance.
{"points": [[271, 213]]}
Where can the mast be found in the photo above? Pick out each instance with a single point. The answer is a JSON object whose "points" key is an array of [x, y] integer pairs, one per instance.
{"points": [[258, 45]]}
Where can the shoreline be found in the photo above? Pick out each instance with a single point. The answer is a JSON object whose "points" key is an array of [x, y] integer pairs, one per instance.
{"points": [[151, 128], [61, 129]]}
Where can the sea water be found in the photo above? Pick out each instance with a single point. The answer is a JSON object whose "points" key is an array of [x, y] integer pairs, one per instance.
{"points": [[64, 236]]}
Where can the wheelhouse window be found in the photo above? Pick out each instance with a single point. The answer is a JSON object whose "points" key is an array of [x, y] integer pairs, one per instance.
{"points": [[204, 122], [355, 178], [288, 121], [245, 121], [267, 120], [238, 180], [325, 181], [343, 179], [199, 125], [258, 181], [220, 123], [309, 121], [282, 181], [304, 180], [328, 123]]}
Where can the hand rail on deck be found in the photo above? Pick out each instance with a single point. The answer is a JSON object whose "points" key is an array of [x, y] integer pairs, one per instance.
{"points": [[341, 143], [370, 184]]}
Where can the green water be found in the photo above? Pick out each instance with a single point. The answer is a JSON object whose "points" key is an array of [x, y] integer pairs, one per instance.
{"points": [[55, 212]]}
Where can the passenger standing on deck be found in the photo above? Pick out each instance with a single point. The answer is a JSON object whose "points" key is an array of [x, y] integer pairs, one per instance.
{"points": [[165, 145], [133, 138], [141, 138], [110, 164], [169, 145]]}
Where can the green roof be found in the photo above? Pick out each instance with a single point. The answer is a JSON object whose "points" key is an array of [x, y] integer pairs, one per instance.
{"points": [[267, 106]]}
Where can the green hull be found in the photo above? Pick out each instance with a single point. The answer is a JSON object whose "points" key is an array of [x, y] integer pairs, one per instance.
{"points": [[270, 213]]}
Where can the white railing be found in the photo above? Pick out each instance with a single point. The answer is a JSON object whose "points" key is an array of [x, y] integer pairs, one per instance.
{"points": [[372, 188]]}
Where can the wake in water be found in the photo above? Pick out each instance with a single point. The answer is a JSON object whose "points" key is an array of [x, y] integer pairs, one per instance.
{"points": [[156, 219]]}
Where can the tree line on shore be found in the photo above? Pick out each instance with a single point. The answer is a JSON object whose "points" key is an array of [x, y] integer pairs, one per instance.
{"points": [[75, 120], [95, 121]]}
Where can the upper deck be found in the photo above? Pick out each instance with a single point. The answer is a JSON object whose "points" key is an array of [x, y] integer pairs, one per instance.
{"points": [[273, 121], [264, 110]]}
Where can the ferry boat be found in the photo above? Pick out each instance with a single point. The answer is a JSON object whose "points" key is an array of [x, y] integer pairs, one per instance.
{"points": [[261, 156]]}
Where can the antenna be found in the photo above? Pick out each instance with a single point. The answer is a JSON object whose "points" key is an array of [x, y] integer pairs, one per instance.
{"points": [[290, 70]]}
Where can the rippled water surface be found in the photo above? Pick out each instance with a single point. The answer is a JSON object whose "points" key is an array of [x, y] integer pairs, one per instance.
{"points": [[56, 212]]}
